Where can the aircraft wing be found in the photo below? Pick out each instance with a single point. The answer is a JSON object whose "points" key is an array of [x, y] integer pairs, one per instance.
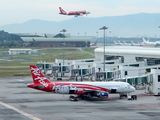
{"points": [[92, 93], [113, 90], [77, 13]]}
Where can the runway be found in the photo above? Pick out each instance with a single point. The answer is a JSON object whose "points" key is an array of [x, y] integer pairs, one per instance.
{"points": [[17, 102]]}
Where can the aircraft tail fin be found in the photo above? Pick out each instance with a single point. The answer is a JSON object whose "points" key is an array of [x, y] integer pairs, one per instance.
{"points": [[62, 11], [94, 44], [144, 40], [132, 43], [38, 77]]}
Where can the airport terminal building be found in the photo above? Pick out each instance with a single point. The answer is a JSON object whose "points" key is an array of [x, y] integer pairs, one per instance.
{"points": [[139, 66], [129, 54], [53, 40]]}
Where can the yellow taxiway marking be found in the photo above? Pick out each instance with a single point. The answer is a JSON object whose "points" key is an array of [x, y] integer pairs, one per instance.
{"points": [[20, 111]]}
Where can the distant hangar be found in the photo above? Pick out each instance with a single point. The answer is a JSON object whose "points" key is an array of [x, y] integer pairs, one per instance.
{"points": [[53, 40]]}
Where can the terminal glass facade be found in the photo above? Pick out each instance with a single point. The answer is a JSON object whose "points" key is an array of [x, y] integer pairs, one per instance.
{"points": [[138, 80], [134, 81], [150, 61]]}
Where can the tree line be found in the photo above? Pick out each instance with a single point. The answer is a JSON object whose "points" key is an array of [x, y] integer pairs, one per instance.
{"points": [[9, 40]]}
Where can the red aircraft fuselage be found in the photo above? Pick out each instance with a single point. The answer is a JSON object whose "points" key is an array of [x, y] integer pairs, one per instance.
{"points": [[75, 13], [85, 89]]}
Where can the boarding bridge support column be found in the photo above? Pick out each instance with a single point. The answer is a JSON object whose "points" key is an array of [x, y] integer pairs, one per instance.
{"points": [[156, 81]]}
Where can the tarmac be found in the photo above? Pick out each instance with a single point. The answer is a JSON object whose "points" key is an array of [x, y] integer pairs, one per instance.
{"points": [[18, 102]]}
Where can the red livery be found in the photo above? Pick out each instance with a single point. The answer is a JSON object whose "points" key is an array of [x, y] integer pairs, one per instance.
{"points": [[75, 13], [84, 90]]}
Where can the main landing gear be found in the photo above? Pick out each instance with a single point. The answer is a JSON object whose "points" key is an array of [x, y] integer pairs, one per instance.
{"points": [[121, 96], [84, 97], [73, 98]]}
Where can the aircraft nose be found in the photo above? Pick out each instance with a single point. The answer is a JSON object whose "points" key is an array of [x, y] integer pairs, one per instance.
{"points": [[133, 88]]}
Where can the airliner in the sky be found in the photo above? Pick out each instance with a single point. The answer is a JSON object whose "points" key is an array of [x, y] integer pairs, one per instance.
{"points": [[75, 13], [85, 90]]}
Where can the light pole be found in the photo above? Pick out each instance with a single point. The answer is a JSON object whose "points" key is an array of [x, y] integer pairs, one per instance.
{"points": [[104, 28], [85, 34], [63, 42]]}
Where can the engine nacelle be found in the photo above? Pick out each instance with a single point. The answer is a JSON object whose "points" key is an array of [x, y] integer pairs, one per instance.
{"points": [[102, 94]]}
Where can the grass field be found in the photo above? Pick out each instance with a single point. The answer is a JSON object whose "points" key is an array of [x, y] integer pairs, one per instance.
{"points": [[9, 72], [8, 69]]}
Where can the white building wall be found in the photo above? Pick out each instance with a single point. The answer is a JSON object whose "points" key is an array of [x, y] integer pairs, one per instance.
{"points": [[99, 56], [131, 71], [155, 85], [129, 58], [19, 51], [129, 52], [141, 72]]}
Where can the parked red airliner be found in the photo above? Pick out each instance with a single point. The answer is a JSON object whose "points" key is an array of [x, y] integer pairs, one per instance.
{"points": [[75, 13], [94, 44], [84, 90]]}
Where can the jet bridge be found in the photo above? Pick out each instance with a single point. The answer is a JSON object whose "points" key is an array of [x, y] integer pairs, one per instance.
{"points": [[53, 69], [65, 69], [82, 73], [46, 68], [101, 76]]}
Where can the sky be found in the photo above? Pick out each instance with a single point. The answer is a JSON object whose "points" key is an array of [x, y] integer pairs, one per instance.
{"points": [[20, 11]]}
